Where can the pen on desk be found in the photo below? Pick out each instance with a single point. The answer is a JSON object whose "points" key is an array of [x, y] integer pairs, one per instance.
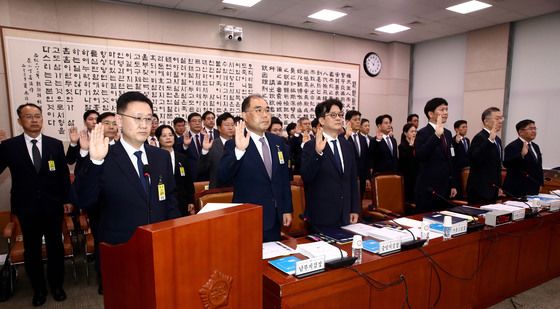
{"points": [[284, 246]]}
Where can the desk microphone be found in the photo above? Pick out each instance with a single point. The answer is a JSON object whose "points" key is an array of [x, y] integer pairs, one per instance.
{"points": [[338, 263], [146, 174], [472, 226], [530, 212]]}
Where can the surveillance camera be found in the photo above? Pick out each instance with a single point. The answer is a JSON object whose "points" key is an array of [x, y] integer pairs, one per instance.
{"points": [[239, 37], [228, 36]]}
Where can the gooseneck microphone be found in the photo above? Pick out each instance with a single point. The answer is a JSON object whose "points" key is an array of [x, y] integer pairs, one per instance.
{"points": [[146, 174], [472, 226], [338, 263], [530, 212]]}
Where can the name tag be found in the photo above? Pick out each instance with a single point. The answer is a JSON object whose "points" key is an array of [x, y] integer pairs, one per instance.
{"points": [[280, 157], [52, 167], [161, 192], [452, 151], [182, 171]]}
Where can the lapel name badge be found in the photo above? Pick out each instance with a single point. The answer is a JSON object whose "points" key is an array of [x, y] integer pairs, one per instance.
{"points": [[52, 167], [161, 190], [182, 171], [280, 155]]}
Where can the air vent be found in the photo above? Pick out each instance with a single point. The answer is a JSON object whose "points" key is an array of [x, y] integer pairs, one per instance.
{"points": [[347, 8], [228, 10], [308, 23], [372, 33], [415, 23]]}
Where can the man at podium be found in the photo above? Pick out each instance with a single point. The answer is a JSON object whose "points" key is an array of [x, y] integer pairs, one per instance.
{"points": [[256, 162], [131, 182]]}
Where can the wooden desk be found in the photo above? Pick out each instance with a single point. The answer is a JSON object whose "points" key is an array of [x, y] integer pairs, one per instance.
{"points": [[471, 271]]}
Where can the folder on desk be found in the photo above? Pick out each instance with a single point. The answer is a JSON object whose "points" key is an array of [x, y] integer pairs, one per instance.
{"points": [[286, 264], [338, 234]]}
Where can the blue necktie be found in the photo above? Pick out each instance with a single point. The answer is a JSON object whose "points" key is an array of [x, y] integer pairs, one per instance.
{"points": [[465, 144], [140, 166], [337, 156]]}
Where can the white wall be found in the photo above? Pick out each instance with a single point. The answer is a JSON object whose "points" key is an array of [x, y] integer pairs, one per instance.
{"points": [[535, 83], [439, 71], [386, 93]]}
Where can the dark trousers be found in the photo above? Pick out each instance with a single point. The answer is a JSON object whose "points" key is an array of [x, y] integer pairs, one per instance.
{"points": [[33, 228], [273, 233]]}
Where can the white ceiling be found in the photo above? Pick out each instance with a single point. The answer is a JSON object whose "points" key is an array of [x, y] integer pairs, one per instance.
{"points": [[428, 18]]}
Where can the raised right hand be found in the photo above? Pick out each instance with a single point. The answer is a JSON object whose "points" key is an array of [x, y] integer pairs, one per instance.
{"points": [[379, 135], [241, 140], [439, 126], [187, 139], [206, 142], [525, 149], [98, 143], [320, 141], [84, 140], [493, 132], [74, 135]]}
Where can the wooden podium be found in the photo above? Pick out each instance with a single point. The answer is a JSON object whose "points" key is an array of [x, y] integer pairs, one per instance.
{"points": [[211, 260]]}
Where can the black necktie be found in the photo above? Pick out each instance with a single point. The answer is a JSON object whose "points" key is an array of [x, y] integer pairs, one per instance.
{"points": [[36, 155], [140, 166], [533, 152], [198, 143], [211, 134], [337, 156], [357, 143]]}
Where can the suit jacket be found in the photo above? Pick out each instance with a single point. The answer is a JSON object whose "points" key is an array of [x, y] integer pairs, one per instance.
{"points": [[250, 180], [215, 135], [184, 184], [408, 167], [209, 162], [295, 147], [33, 193], [73, 153], [193, 154], [524, 175], [383, 159], [485, 174], [461, 159], [114, 186], [435, 168], [330, 196]]}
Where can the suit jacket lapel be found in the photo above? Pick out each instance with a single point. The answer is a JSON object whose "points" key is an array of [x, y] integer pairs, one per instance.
{"points": [[23, 149], [274, 149], [329, 153], [125, 165]]}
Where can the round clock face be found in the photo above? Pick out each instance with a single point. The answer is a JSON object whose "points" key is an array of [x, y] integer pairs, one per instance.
{"points": [[372, 64]]}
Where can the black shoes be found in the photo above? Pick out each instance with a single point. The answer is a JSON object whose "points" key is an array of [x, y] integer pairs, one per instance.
{"points": [[39, 298], [59, 294]]}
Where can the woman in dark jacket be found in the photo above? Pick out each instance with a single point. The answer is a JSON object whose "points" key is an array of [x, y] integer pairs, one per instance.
{"points": [[184, 184], [408, 166]]}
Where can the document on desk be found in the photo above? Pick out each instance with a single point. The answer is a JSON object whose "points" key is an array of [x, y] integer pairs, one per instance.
{"points": [[321, 248], [274, 249], [358, 228], [408, 222], [216, 206]]}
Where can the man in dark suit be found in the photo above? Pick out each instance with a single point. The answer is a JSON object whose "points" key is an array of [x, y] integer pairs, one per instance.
{"points": [[384, 147], [73, 152], [179, 125], [192, 146], [364, 130], [256, 162], [361, 149], [523, 161], [435, 166], [461, 145], [39, 197], [303, 134], [485, 157], [212, 151], [329, 172], [209, 121], [125, 179]]}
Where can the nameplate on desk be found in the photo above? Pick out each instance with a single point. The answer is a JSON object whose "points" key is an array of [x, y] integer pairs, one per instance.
{"points": [[382, 247], [309, 266]]}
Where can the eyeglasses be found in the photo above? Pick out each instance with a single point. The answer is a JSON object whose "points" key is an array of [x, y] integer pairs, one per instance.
{"points": [[31, 117], [109, 123], [139, 120], [260, 110], [333, 115]]}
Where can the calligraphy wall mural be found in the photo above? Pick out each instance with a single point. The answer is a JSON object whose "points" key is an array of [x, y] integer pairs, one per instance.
{"points": [[67, 75]]}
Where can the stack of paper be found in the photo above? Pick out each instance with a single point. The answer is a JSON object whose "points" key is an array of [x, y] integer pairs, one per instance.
{"points": [[275, 248], [321, 248]]}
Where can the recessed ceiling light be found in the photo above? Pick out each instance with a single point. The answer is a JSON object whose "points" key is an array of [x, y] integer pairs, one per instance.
{"points": [[247, 3], [392, 28], [468, 7], [328, 15]]}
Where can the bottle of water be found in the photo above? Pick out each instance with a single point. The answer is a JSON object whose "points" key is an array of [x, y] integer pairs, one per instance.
{"points": [[357, 248], [447, 227], [425, 230]]}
